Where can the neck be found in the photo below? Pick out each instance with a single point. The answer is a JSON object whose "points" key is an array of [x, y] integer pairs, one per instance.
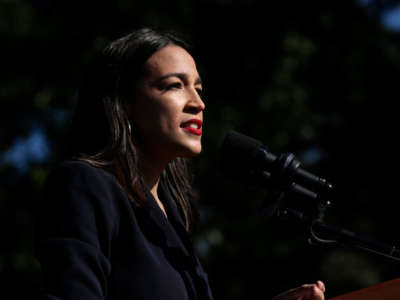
{"points": [[151, 170], [151, 178]]}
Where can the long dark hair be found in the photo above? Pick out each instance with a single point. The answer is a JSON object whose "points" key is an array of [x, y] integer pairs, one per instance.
{"points": [[101, 132]]}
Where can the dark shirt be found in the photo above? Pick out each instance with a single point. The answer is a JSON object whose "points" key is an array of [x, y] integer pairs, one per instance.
{"points": [[93, 243]]}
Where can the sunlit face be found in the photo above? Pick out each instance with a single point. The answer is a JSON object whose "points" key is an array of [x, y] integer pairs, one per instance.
{"points": [[168, 110]]}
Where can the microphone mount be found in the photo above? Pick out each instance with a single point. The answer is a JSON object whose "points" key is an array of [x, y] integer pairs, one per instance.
{"points": [[285, 170]]}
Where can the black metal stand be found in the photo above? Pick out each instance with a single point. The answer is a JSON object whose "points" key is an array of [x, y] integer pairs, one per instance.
{"points": [[320, 233]]}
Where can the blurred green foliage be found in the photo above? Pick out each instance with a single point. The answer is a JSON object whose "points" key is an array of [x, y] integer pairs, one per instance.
{"points": [[316, 78]]}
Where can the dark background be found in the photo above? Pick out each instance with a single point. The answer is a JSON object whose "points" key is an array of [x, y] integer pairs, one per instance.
{"points": [[319, 79]]}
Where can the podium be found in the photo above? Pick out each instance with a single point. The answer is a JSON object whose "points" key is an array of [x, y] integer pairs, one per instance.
{"points": [[388, 290]]}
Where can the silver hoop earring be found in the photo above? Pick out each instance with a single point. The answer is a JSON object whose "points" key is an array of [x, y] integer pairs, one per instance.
{"points": [[129, 128]]}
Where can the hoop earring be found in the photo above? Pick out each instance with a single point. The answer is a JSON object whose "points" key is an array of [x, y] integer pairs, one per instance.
{"points": [[129, 128]]}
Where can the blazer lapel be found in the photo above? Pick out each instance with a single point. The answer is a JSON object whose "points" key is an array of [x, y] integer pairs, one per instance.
{"points": [[170, 234], [161, 228]]}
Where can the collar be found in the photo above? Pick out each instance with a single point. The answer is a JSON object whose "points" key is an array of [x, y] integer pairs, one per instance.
{"points": [[170, 234]]}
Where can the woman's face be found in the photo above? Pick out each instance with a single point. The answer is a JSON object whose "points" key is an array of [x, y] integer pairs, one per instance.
{"points": [[168, 110]]}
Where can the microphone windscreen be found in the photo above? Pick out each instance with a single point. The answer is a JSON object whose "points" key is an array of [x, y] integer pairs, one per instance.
{"points": [[239, 151]]}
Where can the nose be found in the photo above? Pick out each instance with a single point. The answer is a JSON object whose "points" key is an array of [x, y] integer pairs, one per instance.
{"points": [[195, 104]]}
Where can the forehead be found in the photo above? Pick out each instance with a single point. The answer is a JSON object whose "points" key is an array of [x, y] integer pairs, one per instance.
{"points": [[171, 59]]}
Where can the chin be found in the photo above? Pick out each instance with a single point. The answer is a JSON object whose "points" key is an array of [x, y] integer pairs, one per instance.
{"points": [[193, 154], [191, 150]]}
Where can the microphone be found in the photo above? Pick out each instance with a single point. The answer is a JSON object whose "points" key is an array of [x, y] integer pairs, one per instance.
{"points": [[248, 156]]}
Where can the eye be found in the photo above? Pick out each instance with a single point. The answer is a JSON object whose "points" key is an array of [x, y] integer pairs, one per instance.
{"points": [[200, 91], [174, 85]]}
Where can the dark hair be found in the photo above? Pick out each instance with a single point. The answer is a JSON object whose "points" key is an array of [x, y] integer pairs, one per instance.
{"points": [[101, 133]]}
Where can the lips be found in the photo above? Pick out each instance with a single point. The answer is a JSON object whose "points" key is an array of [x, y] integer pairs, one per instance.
{"points": [[193, 126]]}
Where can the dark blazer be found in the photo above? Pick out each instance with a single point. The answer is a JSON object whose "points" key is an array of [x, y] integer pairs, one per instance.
{"points": [[93, 243]]}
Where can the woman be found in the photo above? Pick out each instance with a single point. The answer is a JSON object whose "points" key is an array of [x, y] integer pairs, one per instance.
{"points": [[115, 220]]}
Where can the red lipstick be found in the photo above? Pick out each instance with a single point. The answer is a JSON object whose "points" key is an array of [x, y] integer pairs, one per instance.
{"points": [[188, 126]]}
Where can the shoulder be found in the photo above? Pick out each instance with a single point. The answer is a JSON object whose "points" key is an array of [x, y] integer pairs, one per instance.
{"points": [[79, 197], [78, 173], [80, 203], [81, 183]]}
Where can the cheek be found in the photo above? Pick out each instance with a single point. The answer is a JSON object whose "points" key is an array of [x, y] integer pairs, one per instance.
{"points": [[169, 115], [157, 117]]}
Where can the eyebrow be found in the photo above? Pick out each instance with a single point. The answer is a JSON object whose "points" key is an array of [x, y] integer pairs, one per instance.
{"points": [[180, 75]]}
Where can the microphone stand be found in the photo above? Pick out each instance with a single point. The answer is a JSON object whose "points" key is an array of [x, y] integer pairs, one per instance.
{"points": [[281, 181], [323, 234]]}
